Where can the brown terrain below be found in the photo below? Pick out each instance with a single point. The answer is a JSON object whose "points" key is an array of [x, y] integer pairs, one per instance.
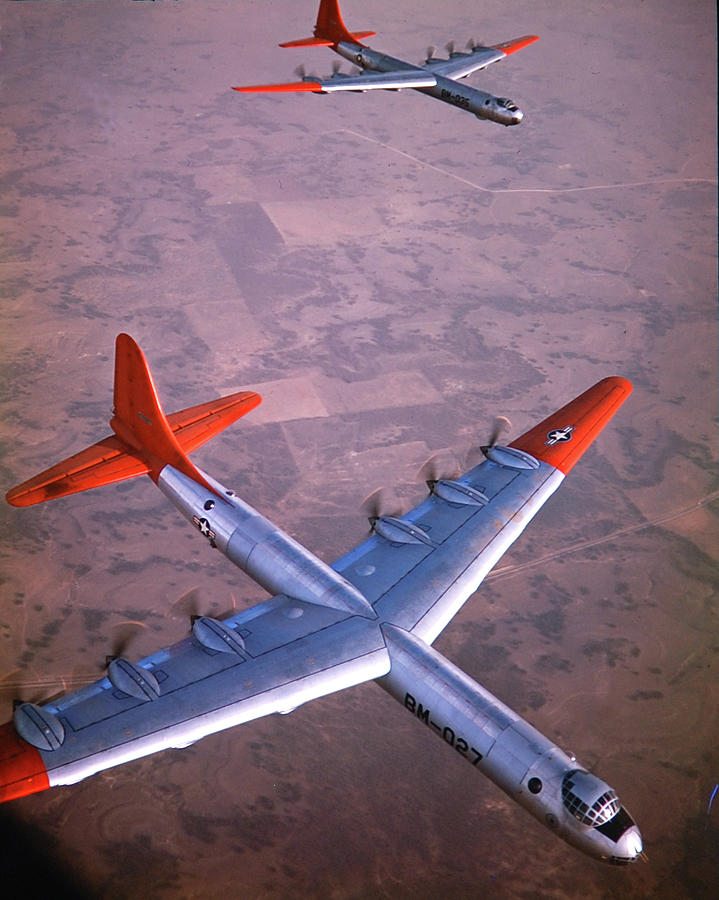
{"points": [[391, 274]]}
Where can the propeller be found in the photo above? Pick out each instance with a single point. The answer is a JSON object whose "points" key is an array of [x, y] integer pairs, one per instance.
{"points": [[430, 53], [444, 465], [336, 67], [375, 507], [17, 687], [501, 424], [473, 44], [188, 605], [304, 75], [123, 634], [437, 468], [449, 47], [192, 605]]}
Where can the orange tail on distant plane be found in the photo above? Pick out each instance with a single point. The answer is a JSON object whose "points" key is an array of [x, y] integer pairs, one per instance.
{"points": [[145, 439], [329, 29]]}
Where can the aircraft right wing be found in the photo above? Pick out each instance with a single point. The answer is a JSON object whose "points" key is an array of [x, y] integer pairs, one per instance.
{"points": [[460, 65], [375, 81], [268, 659]]}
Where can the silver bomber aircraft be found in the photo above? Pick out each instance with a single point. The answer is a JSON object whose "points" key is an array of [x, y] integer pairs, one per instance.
{"points": [[436, 77], [371, 615]]}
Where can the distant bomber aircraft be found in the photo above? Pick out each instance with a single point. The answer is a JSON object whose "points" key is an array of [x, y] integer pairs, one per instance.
{"points": [[437, 77], [373, 614]]}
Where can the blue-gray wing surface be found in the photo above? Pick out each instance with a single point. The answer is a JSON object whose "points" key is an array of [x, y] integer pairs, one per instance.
{"points": [[268, 659], [420, 581]]}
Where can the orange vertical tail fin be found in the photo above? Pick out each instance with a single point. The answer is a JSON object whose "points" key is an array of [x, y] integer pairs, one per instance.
{"points": [[329, 29], [144, 440]]}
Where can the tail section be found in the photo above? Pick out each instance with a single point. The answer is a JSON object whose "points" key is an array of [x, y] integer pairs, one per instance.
{"points": [[139, 420], [329, 29], [145, 440]]}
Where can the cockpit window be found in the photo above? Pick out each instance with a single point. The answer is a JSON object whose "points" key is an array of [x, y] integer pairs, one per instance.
{"points": [[579, 795], [507, 104]]}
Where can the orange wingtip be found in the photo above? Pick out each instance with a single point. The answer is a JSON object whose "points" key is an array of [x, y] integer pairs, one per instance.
{"points": [[562, 438], [22, 771], [280, 88], [515, 44]]}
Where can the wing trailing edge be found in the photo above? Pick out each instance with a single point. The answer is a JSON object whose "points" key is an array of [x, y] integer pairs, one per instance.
{"points": [[562, 438], [144, 440]]}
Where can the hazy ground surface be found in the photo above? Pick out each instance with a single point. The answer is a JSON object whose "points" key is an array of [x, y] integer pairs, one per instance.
{"points": [[393, 273]]}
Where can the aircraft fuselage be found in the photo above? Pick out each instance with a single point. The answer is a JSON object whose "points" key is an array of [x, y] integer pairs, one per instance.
{"points": [[480, 103], [551, 785]]}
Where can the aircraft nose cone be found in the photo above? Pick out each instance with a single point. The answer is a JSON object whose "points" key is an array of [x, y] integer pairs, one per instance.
{"points": [[630, 844], [517, 118]]}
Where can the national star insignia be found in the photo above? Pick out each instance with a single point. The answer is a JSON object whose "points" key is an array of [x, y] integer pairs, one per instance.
{"points": [[204, 527], [559, 435]]}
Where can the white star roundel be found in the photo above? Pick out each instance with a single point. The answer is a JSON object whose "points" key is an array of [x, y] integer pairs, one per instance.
{"points": [[559, 435]]}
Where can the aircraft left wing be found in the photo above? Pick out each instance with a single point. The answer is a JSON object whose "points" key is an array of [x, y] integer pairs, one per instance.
{"points": [[268, 659], [375, 81], [460, 65]]}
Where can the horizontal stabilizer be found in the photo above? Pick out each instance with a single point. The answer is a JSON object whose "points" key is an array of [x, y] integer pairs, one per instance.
{"points": [[195, 425], [562, 438], [325, 42], [106, 462], [145, 439]]}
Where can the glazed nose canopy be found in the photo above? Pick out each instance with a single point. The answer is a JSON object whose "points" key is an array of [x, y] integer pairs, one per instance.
{"points": [[588, 798]]}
